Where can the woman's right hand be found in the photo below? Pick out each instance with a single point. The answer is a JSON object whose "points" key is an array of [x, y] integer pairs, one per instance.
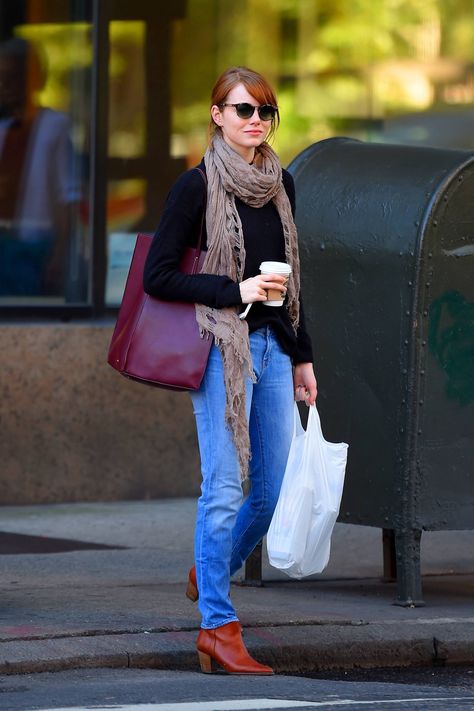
{"points": [[255, 288]]}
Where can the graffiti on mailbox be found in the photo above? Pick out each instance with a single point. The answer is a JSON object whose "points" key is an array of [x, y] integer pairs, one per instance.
{"points": [[451, 340]]}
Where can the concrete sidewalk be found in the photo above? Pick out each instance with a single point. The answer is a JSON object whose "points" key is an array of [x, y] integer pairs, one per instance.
{"points": [[115, 596]]}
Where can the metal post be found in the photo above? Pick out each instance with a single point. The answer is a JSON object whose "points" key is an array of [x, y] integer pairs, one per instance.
{"points": [[253, 568], [407, 547]]}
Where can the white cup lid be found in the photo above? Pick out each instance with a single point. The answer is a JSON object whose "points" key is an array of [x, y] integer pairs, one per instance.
{"points": [[275, 268]]}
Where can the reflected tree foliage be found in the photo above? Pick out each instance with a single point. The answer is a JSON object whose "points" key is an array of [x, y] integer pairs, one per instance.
{"points": [[340, 66]]}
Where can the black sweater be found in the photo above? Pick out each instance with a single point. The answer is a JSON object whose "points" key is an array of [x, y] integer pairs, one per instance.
{"points": [[263, 238]]}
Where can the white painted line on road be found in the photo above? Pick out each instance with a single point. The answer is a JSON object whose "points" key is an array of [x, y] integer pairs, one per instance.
{"points": [[258, 704], [223, 705]]}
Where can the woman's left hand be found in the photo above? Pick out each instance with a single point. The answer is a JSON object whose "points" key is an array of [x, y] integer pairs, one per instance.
{"points": [[305, 384]]}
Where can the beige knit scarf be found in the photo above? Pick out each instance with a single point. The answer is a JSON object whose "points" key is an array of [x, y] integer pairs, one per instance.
{"points": [[230, 176]]}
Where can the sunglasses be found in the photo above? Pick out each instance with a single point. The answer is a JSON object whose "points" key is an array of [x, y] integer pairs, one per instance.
{"points": [[266, 112]]}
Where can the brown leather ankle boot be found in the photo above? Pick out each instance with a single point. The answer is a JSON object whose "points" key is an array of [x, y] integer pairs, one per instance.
{"points": [[191, 590], [224, 645]]}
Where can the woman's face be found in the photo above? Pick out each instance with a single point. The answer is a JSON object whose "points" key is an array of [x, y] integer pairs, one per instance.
{"points": [[243, 135]]}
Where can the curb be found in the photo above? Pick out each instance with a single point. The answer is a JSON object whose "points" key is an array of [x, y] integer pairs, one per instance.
{"points": [[287, 648]]}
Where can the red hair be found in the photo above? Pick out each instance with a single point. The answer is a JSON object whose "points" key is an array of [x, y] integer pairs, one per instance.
{"points": [[255, 84]]}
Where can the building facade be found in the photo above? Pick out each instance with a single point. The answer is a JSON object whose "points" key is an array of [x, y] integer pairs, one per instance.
{"points": [[102, 104]]}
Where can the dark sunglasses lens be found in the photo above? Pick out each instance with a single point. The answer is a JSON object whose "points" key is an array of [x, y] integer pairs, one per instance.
{"points": [[244, 111], [266, 112]]}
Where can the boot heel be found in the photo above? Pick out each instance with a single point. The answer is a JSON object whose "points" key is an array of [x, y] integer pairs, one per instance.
{"points": [[206, 663], [191, 592]]}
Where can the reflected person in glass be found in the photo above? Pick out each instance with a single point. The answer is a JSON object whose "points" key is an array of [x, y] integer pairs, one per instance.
{"points": [[36, 187], [258, 365]]}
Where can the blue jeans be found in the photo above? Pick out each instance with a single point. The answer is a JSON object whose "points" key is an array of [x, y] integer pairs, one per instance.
{"points": [[228, 530]]}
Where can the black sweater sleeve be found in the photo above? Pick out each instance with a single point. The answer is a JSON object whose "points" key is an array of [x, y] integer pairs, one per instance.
{"points": [[178, 229], [304, 350]]}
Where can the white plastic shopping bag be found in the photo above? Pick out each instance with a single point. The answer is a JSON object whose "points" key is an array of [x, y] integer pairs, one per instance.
{"points": [[299, 537]]}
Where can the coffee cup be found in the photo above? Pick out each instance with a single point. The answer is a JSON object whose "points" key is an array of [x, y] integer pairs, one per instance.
{"points": [[274, 296]]}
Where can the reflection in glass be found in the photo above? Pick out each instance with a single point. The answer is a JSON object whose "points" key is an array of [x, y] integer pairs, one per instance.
{"points": [[126, 136], [125, 209], [126, 195], [40, 192]]}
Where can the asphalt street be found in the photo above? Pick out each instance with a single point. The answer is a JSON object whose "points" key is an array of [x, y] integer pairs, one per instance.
{"points": [[146, 690]]}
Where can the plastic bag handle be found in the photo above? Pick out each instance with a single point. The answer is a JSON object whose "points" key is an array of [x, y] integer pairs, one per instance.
{"points": [[313, 428], [297, 426], [314, 416], [315, 421]]}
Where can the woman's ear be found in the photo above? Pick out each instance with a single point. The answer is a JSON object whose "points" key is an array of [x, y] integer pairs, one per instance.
{"points": [[216, 115]]}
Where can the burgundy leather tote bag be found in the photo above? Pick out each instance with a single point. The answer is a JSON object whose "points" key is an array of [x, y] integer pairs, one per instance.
{"points": [[155, 341]]}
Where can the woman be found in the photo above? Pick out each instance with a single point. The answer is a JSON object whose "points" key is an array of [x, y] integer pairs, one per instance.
{"points": [[257, 365]]}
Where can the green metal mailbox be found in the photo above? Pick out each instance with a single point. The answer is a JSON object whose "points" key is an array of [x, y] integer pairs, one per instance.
{"points": [[387, 257]]}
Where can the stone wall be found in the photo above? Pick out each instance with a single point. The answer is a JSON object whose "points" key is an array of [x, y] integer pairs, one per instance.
{"points": [[73, 429]]}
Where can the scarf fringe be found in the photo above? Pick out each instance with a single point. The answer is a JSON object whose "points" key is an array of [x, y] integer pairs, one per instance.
{"points": [[229, 176]]}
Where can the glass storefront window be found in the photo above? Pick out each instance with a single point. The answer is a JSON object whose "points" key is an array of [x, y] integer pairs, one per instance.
{"points": [[398, 71], [45, 113], [140, 169]]}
